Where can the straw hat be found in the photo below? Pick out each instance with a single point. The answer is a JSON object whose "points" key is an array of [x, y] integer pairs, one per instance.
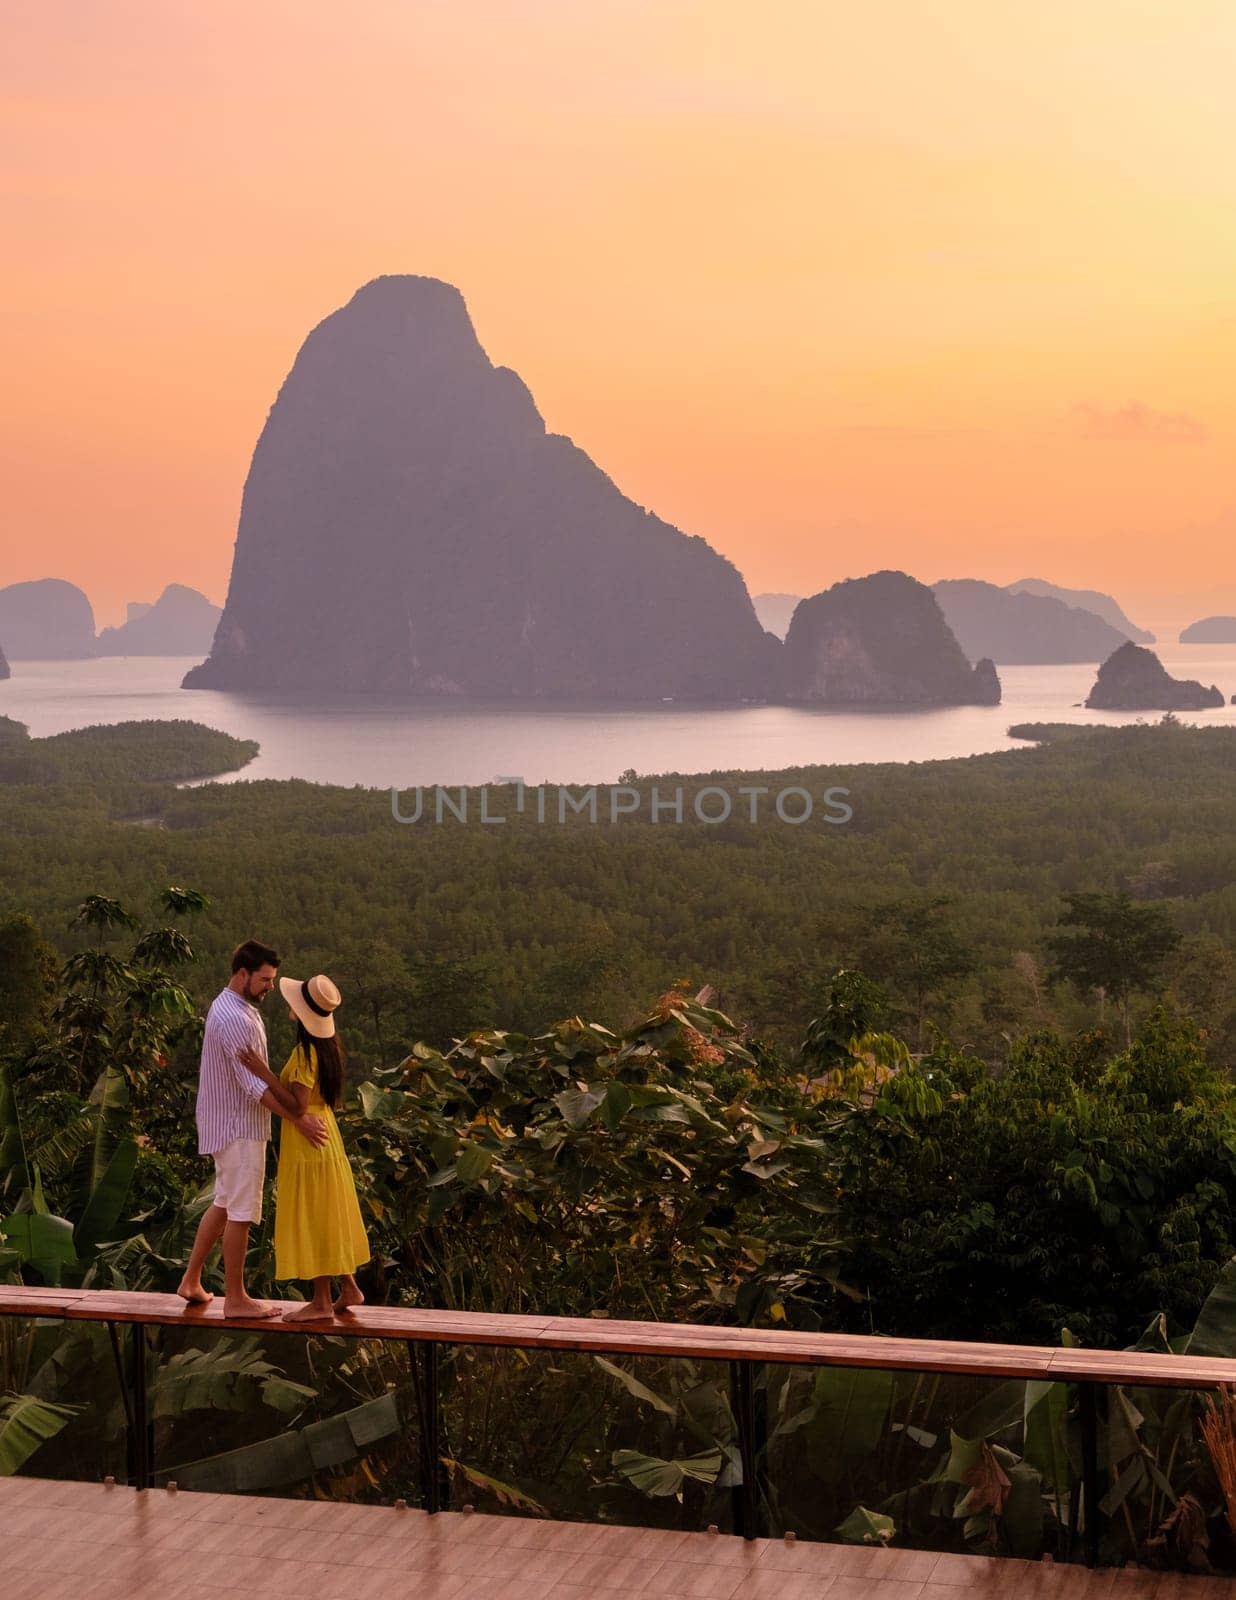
{"points": [[313, 1001]]}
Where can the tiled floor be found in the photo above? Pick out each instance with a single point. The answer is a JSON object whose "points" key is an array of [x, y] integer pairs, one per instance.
{"points": [[73, 1541]]}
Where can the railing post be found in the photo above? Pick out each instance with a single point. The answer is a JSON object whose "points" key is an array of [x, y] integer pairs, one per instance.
{"points": [[1090, 1472], [141, 1434], [431, 1435], [746, 1496]]}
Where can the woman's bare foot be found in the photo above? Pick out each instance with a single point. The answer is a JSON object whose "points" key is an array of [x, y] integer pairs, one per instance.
{"points": [[349, 1296], [250, 1310], [193, 1294], [311, 1311]]}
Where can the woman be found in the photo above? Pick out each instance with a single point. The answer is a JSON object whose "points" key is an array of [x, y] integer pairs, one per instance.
{"points": [[319, 1233]]}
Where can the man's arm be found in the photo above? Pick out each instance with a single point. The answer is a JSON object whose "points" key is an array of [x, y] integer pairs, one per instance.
{"points": [[305, 1123], [238, 1042]]}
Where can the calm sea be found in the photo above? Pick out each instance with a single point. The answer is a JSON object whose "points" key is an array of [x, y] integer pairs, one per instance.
{"points": [[380, 743]]}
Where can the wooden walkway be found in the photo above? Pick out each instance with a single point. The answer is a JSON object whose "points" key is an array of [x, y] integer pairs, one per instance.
{"points": [[80, 1541], [706, 1342]]}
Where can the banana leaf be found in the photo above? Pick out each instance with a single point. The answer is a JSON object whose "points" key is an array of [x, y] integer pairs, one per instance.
{"points": [[866, 1527], [851, 1410], [25, 1424], [654, 1476], [293, 1457], [41, 1241], [13, 1170], [1047, 1406], [1214, 1332], [104, 1208], [634, 1387]]}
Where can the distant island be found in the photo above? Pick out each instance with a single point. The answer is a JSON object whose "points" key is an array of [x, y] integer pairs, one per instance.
{"points": [[4, 665], [1021, 627], [1102, 605], [1210, 630], [881, 640], [181, 622], [46, 619], [1134, 679], [1028, 624], [50, 619]]}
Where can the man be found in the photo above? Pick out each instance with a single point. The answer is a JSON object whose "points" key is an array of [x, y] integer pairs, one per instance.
{"points": [[233, 1126]]}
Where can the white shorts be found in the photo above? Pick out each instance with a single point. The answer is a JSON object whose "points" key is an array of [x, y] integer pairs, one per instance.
{"points": [[240, 1173]]}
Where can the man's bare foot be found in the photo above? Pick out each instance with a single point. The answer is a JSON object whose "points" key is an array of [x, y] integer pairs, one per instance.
{"points": [[193, 1294], [311, 1311], [349, 1296], [250, 1310]]}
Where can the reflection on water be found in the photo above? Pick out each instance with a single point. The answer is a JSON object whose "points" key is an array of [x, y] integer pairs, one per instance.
{"points": [[383, 743]]}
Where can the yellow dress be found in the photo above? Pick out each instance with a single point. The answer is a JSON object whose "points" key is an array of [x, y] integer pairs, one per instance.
{"points": [[318, 1228]]}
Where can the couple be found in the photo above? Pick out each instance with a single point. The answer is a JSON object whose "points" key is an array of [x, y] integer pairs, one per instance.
{"points": [[319, 1234]]}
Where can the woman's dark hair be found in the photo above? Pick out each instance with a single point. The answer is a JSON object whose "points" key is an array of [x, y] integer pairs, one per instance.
{"points": [[332, 1064]]}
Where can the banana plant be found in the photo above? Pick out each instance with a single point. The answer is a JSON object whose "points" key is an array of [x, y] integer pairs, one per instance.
{"points": [[25, 1425]]}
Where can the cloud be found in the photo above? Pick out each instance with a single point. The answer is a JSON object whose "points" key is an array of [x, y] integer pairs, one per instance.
{"points": [[1137, 422]]}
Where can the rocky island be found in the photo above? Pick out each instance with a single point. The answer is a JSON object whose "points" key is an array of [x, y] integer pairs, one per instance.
{"points": [[1022, 627], [1210, 630], [409, 526], [181, 622], [46, 619], [4, 666], [1092, 600], [881, 640], [1134, 679]]}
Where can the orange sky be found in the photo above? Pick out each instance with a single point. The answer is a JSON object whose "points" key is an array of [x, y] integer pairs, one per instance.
{"points": [[940, 284]]}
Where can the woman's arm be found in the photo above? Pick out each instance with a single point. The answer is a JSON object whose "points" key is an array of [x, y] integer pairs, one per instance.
{"points": [[250, 1059], [289, 1101]]}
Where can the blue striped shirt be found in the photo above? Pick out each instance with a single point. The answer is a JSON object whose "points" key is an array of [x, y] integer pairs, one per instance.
{"points": [[228, 1095]]}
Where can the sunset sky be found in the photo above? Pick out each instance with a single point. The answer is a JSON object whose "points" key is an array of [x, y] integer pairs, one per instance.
{"points": [[948, 285]]}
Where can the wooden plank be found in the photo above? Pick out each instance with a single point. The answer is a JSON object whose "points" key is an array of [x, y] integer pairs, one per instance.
{"points": [[38, 1302], [112, 1543], [596, 1335], [1142, 1367]]}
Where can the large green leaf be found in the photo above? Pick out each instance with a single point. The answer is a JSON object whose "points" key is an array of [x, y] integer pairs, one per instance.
{"points": [[616, 1104], [1119, 1435], [13, 1172], [101, 1218], [379, 1105], [851, 1408], [1047, 1406], [577, 1105], [225, 1377], [963, 1457], [506, 1494], [473, 1162], [1155, 1336], [866, 1527], [25, 1424], [657, 1477], [295, 1455], [999, 1408], [1214, 1332], [110, 1097], [635, 1387], [42, 1241]]}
